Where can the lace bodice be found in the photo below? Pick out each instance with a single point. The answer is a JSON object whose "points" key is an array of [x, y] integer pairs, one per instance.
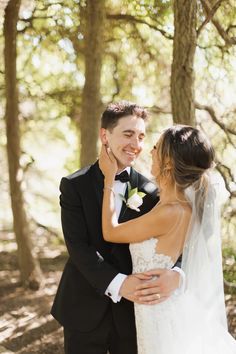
{"points": [[179, 324], [145, 257]]}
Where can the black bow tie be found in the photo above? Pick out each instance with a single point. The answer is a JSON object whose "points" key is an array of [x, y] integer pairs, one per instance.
{"points": [[123, 177]]}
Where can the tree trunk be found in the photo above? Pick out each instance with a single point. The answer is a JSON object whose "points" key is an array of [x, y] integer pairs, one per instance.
{"points": [[182, 71], [31, 275], [91, 100]]}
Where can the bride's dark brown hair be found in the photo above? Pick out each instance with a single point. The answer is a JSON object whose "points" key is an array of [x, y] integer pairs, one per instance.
{"points": [[190, 154]]}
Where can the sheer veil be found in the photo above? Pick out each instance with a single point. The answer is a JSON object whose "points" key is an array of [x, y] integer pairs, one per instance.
{"points": [[202, 259]]}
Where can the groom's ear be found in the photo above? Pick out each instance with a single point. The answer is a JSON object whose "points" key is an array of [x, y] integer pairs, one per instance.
{"points": [[103, 136]]}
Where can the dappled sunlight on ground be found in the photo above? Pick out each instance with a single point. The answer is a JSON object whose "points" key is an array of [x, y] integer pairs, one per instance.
{"points": [[26, 326]]}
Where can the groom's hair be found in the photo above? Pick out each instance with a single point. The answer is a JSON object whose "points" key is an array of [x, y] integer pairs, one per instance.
{"points": [[117, 110]]}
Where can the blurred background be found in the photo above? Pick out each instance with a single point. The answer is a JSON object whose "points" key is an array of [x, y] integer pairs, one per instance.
{"points": [[62, 62]]}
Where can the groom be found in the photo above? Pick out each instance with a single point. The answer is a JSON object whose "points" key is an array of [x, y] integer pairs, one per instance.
{"points": [[94, 301]]}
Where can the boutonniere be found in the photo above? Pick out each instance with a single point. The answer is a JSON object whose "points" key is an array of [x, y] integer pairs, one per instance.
{"points": [[134, 199]]}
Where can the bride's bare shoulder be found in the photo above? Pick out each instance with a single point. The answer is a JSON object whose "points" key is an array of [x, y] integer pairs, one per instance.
{"points": [[172, 209]]}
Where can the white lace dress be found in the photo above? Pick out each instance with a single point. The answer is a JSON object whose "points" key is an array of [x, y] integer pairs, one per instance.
{"points": [[178, 325]]}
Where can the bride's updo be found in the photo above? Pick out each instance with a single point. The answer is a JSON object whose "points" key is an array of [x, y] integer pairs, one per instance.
{"points": [[190, 155], [189, 151]]}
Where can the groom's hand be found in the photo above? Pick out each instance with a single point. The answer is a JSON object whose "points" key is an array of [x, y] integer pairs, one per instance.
{"points": [[164, 282], [130, 285]]}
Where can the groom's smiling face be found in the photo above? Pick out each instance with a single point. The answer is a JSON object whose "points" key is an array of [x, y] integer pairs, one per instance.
{"points": [[125, 140]]}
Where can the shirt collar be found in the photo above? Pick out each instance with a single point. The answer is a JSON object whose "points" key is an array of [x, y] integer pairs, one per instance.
{"points": [[128, 168]]}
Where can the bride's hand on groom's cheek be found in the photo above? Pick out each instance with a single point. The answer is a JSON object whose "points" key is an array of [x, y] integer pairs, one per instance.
{"points": [[107, 161]]}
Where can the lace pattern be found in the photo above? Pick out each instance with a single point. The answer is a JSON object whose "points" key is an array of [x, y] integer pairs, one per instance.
{"points": [[178, 325], [144, 256]]}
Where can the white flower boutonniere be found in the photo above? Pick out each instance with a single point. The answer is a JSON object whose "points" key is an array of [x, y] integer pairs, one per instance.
{"points": [[135, 198]]}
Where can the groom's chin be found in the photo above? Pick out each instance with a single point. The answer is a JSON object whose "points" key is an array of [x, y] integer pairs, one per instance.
{"points": [[130, 163]]}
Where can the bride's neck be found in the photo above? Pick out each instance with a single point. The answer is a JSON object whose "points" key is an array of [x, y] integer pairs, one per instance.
{"points": [[169, 193]]}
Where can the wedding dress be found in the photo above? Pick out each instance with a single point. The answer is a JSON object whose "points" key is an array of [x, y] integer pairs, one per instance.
{"points": [[193, 322]]}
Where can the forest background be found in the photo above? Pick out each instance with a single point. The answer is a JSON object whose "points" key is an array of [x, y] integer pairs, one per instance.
{"points": [[62, 62]]}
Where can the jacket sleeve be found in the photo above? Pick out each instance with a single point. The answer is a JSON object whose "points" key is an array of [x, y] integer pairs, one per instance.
{"points": [[91, 265]]}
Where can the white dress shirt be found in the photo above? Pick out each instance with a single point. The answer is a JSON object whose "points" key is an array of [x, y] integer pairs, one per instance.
{"points": [[114, 287]]}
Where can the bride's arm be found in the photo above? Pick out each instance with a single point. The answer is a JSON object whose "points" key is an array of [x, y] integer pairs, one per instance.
{"points": [[153, 224]]}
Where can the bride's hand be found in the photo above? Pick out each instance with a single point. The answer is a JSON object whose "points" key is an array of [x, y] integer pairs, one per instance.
{"points": [[107, 163]]}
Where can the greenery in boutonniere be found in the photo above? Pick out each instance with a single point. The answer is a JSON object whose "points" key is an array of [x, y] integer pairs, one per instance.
{"points": [[134, 199]]}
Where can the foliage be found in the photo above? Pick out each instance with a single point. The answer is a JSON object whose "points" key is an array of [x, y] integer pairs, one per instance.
{"points": [[229, 264], [136, 66]]}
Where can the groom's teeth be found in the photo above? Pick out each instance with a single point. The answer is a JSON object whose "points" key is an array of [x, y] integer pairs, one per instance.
{"points": [[130, 153]]}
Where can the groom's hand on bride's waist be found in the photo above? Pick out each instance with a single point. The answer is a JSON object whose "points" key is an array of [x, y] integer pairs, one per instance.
{"points": [[162, 284], [130, 284]]}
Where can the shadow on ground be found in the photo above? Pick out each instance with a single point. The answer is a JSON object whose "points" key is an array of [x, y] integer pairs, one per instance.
{"points": [[26, 326]]}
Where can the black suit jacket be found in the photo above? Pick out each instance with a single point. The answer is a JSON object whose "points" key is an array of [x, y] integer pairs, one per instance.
{"points": [[80, 302]]}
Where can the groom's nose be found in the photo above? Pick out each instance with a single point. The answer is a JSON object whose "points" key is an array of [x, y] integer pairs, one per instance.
{"points": [[136, 143]]}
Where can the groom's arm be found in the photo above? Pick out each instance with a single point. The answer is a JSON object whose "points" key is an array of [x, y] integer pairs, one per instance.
{"points": [[164, 283], [141, 288], [83, 255]]}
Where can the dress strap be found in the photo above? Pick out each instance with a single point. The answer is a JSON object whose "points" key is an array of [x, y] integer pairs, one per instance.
{"points": [[178, 221]]}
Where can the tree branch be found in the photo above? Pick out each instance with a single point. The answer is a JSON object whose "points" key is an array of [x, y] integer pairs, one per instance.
{"points": [[222, 168], [231, 285], [46, 228], [158, 110], [27, 20], [130, 18], [230, 27], [226, 174], [209, 16], [228, 40], [213, 116]]}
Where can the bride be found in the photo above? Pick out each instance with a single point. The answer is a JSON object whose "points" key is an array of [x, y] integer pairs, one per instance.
{"points": [[185, 221]]}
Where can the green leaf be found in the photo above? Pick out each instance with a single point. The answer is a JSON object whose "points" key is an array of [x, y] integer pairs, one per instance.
{"points": [[141, 194], [122, 197], [132, 192]]}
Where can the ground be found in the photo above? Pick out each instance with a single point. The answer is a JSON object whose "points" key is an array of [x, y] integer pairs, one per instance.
{"points": [[26, 326]]}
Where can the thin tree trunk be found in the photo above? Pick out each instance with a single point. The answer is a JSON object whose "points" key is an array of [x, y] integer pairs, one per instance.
{"points": [[31, 275], [182, 73], [91, 99]]}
